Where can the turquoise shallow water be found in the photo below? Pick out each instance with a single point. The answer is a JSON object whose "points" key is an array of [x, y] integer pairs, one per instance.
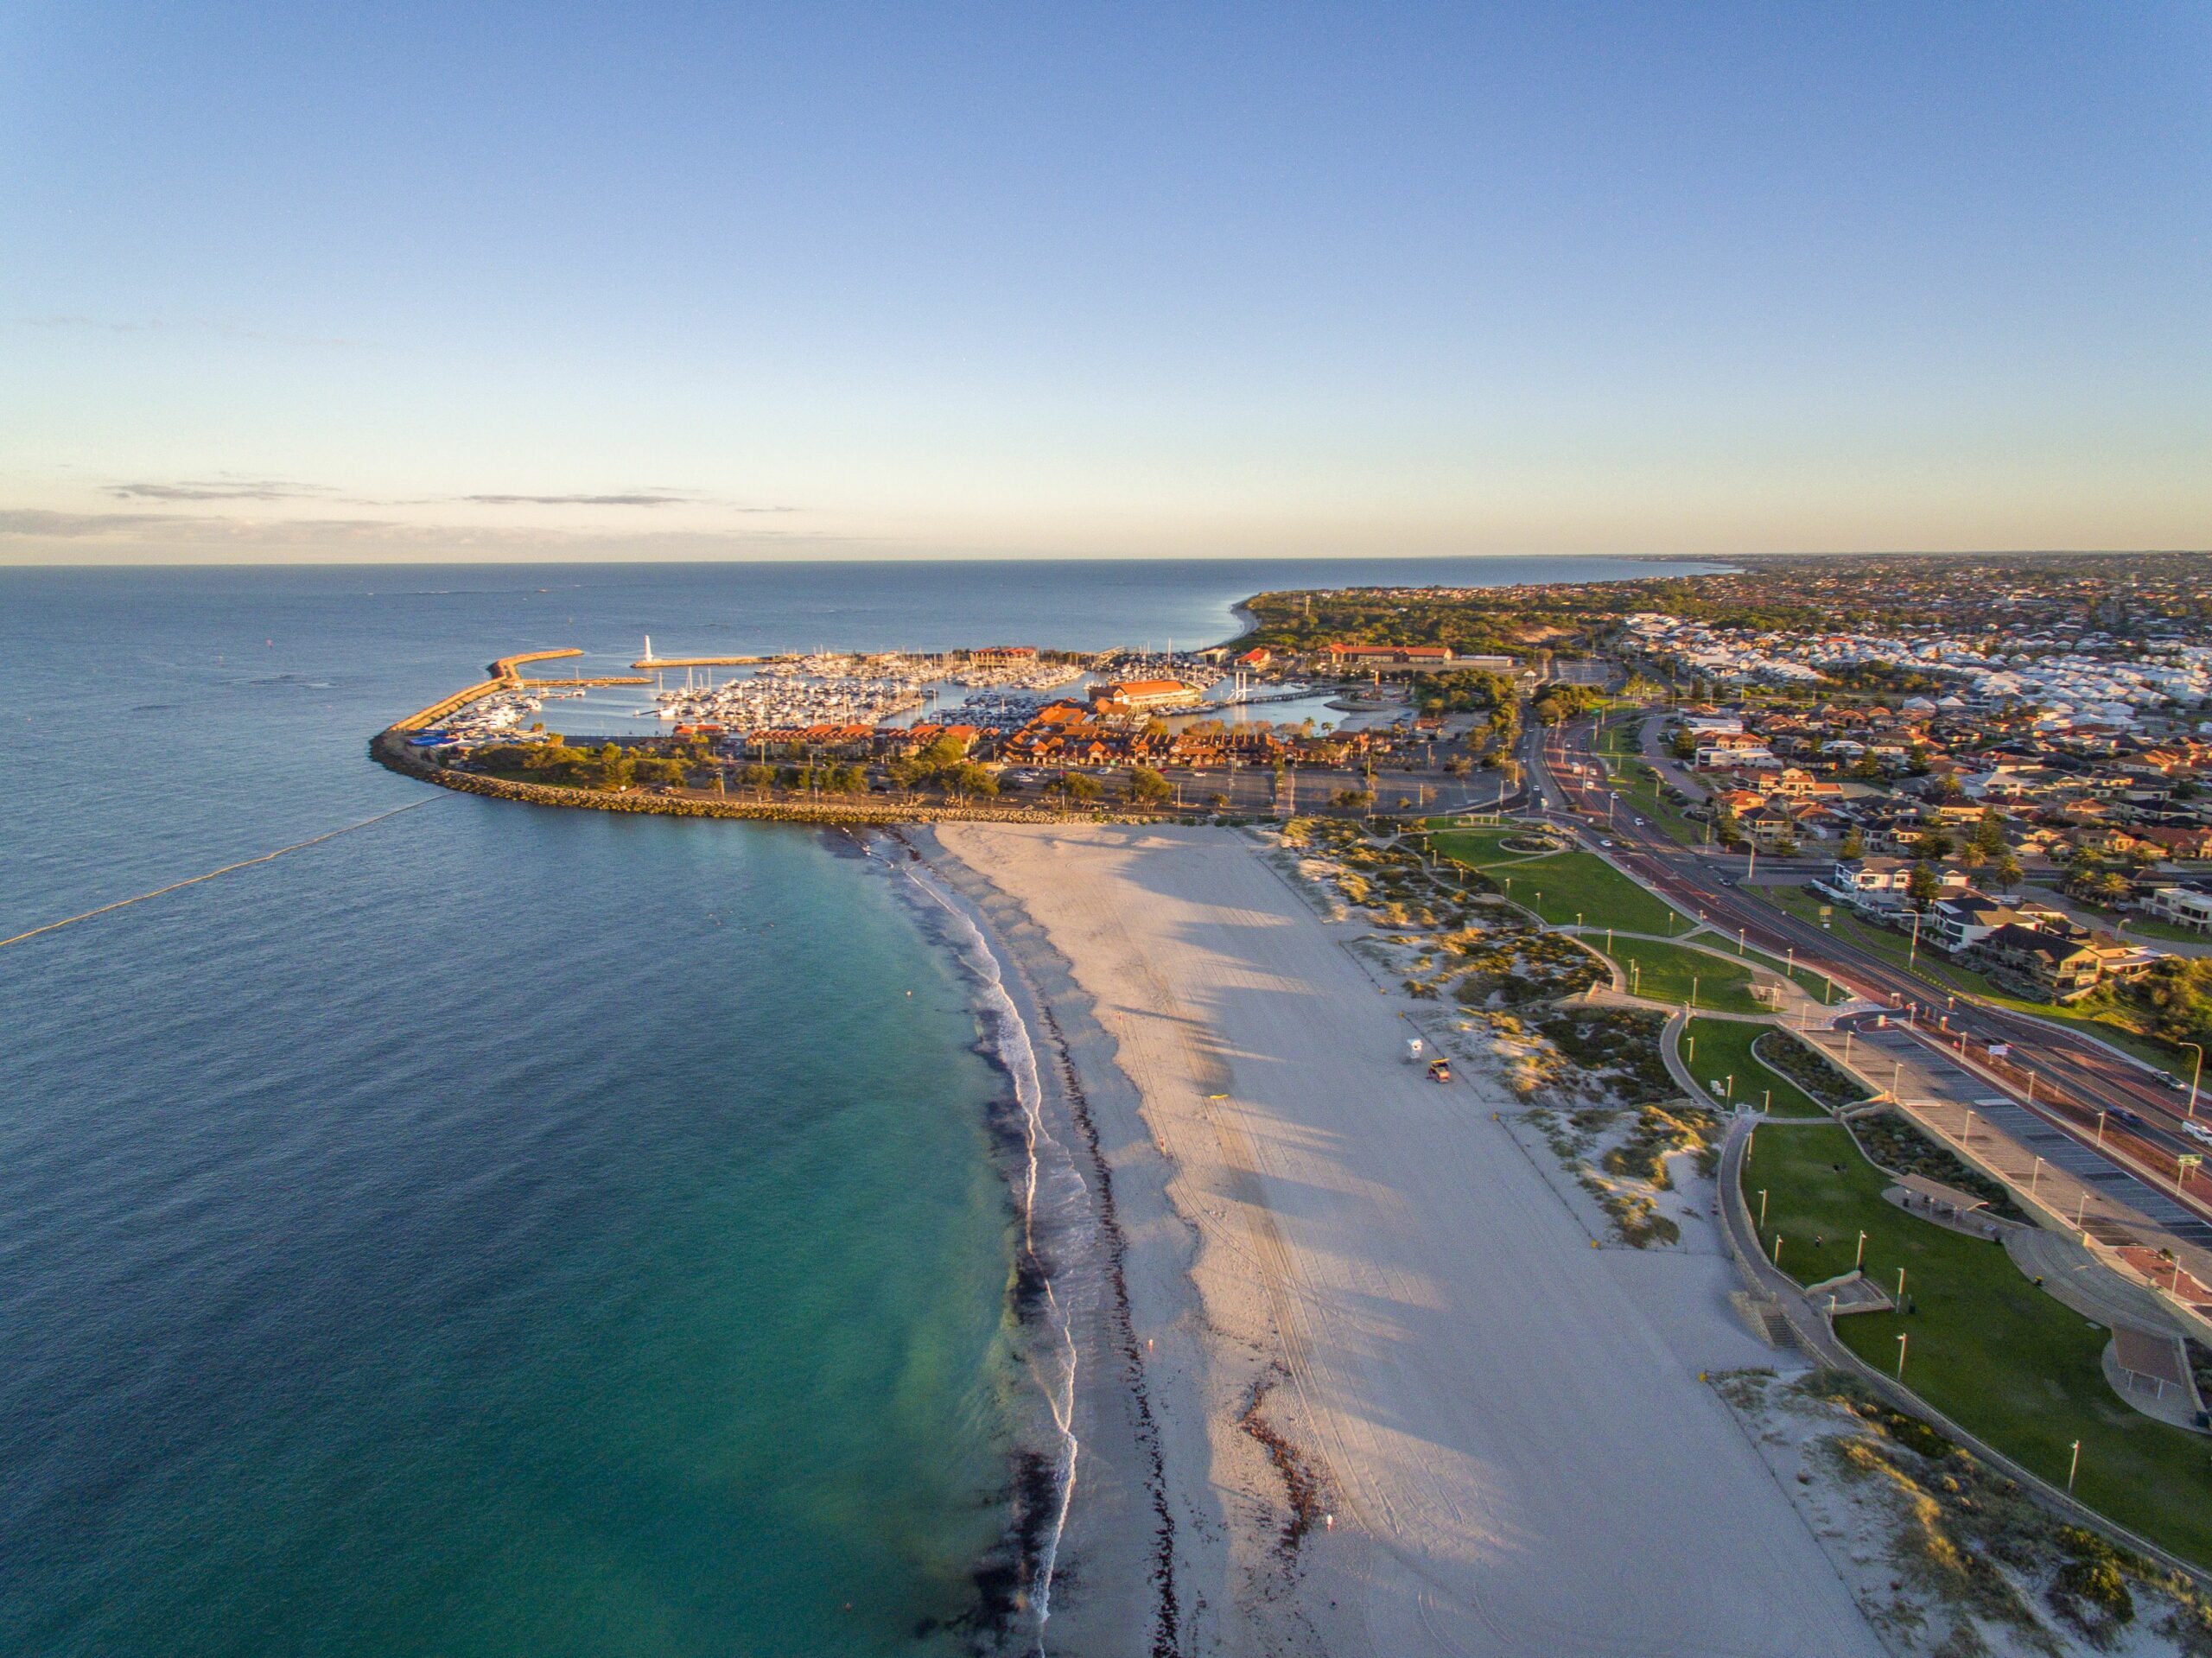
{"points": [[492, 1231]]}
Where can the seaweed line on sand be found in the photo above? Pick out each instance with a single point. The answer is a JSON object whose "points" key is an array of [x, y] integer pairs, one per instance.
{"points": [[1301, 1486]]}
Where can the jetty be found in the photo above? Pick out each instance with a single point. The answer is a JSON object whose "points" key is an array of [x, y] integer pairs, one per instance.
{"points": [[648, 664], [506, 676]]}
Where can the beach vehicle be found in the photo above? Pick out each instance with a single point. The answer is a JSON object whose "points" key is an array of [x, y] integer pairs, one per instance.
{"points": [[1439, 1070]]}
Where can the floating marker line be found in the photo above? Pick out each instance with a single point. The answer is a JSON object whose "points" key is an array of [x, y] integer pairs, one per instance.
{"points": [[296, 846]]}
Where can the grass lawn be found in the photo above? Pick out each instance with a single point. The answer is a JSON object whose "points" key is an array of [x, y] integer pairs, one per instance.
{"points": [[1947, 975], [1814, 984], [1985, 1346], [1570, 884], [1667, 972], [1717, 1049], [1621, 737], [1638, 782]]}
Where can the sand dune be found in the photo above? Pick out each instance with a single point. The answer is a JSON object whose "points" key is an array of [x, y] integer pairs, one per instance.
{"points": [[1506, 1427]]}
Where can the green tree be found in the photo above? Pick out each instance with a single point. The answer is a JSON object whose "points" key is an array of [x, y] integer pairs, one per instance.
{"points": [[1077, 785], [966, 778], [1921, 884], [1989, 832], [944, 752], [1853, 845], [2007, 871], [1932, 846], [1147, 785], [613, 768]]}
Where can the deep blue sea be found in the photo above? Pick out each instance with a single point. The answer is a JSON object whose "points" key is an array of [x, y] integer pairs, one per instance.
{"points": [[492, 1231]]}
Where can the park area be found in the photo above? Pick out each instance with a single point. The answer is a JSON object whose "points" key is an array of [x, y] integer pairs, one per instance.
{"points": [[1981, 1343], [1565, 888], [1659, 971], [1721, 1050]]}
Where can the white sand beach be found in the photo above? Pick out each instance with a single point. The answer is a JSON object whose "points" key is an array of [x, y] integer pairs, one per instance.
{"points": [[1509, 1448]]}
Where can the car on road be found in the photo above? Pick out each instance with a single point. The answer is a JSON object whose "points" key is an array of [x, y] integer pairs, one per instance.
{"points": [[2121, 1114], [2197, 1132]]}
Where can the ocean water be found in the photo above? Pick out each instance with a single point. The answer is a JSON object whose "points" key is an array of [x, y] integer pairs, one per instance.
{"points": [[490, 1230]]}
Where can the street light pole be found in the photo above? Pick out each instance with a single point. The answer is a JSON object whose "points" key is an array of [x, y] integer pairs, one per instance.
{"points": [[2194, 1075]]}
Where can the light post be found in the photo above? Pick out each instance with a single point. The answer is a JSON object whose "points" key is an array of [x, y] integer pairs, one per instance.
{"points": [[1967, 1139], [1731, 1088], [2100, 1130], [1913, 953], [1693, 989], [1900, 1289], [1691, 1057], [1859, 1260], [1847, 1035], [1762, 1207], [1778, 1248], [2034, 1176], [2072, 1467], [1901, 1342], [1740, 932], [1896, 1072], [2194, 1075]]}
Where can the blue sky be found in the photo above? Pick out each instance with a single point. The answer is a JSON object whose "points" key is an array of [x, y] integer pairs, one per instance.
{"points": [[424, 280]]}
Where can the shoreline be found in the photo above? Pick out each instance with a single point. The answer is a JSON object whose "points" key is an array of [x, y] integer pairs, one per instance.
{"points": [[1402, 1403], [1114, 1556]]}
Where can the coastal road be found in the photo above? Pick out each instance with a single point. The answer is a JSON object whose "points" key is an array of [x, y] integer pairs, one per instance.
{"points": [[2086, 1078]]}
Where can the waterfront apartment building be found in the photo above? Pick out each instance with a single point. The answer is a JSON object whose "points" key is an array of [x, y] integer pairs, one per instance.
{"points": [[1408, 658]]}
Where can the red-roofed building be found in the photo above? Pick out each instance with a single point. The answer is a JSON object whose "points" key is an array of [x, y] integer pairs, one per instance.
{"points": [[1143, 696]]}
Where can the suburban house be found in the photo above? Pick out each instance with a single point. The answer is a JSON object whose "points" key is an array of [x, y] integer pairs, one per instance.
{"points": [[2060, 959], [2059, 966], [1961, 923], [1884, 883], [2188, 904]]}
